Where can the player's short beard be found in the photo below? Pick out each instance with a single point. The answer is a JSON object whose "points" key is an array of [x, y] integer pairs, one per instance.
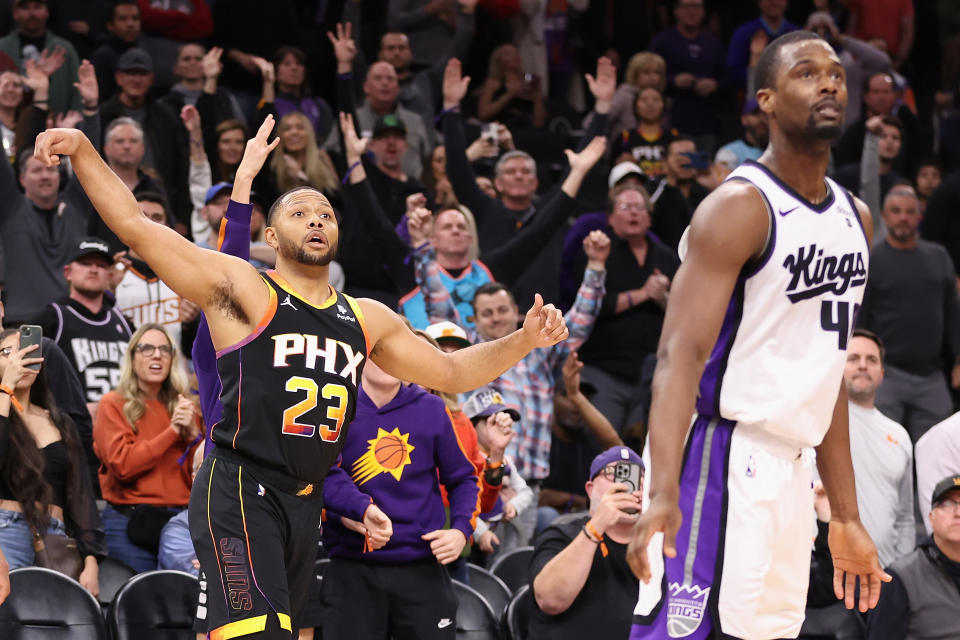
{"points": [[828, 132], [299, 254]]}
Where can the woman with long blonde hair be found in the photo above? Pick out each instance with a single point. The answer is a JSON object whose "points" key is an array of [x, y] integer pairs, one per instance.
{"points": [[144, 433], [298, 161], [509, 94], [644, 69]]}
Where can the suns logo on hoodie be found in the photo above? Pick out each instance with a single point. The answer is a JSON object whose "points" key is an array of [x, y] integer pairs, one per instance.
{"points": [[389, 453]]}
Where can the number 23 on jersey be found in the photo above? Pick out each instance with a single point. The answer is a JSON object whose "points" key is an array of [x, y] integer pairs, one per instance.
{"points": [[334, 394]]}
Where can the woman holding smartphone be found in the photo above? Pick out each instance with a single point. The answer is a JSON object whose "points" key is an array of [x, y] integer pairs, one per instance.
{"points": [[44, 486]]}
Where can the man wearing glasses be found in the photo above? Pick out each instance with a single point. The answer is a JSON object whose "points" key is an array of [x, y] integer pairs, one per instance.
{"points": [[923, 600], [582, 584]]}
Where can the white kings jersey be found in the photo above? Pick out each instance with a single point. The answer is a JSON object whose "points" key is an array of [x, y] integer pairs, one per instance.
{"points": [[778, 362], [146, 299]]}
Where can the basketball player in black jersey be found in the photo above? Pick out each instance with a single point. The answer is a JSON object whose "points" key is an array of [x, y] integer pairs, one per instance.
{"points": [[291, 351]]}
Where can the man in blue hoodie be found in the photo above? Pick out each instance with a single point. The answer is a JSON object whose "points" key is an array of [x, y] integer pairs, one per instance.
{"points": [[401, 446]]}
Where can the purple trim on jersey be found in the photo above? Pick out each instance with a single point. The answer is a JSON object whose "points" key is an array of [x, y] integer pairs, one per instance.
{"points": [[856, 212], [820, 207], [767, 253], [708, 402], [688, 608]]}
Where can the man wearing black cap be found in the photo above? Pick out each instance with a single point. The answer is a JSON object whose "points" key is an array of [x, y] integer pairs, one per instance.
{"points": [[30, 39], [89, 330], [166, 147], [923, 601], [581, 583]]}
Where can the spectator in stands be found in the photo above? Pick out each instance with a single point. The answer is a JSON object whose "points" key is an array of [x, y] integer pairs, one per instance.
{"points": [[873, 175], [419, 88], [176, 550], [646, 144], [911, 303], [644, 69], [299, 161], [142, 296], [167, 24], [516, 182], [30, 39], [44, 485], [928, 177], [681, 169], [924, 597], [751, 37], [881, 452], [444, 270], [144, 435], [190, 71], [293, 91], [165, 138], [39, 228], [580, 432], [231, 136], [214, 208], [402, 587], [695, 68], [879, 99], [11, 105], [860, 59], [89, 330], [890, 20], [509, 94], [4, 577], [621, 351], [123, 25], [936, 454], [582, 585], [124, 147], [756, 134], [495, 532], [380, 89], [430, 26], [940, 223]]}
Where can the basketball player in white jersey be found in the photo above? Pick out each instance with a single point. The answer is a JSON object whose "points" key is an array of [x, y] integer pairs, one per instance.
{"points": [[760, 314]]}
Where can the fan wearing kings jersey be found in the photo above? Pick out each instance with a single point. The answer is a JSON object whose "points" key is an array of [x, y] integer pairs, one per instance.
{"points": [[760, 314], [290, 354]]}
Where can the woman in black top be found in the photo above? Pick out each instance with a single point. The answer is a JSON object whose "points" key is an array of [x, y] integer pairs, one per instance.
{"points": [[43, 485]]}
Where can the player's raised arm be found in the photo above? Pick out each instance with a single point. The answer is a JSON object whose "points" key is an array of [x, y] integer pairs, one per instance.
{"points": [[402, 354], [192, 272], [728, 230]]}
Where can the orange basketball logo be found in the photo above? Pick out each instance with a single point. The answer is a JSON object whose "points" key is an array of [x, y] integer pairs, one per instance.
{"points": [[389, 453]]}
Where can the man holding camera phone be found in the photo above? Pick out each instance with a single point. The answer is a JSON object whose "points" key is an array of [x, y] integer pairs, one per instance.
{"points": [[582, 584]]}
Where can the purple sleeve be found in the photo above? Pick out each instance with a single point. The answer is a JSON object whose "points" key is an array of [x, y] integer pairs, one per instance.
{"points": [[235, 241], [341, 496], [459, 476]]}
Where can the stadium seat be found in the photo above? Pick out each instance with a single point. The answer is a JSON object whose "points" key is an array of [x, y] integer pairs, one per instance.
{"points": [[516, 617], [156, 605], [490, 587], [513, 568], [113, 573], [47, 604], [475, 617]]}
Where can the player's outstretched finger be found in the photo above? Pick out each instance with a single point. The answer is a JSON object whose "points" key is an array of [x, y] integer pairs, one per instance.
{"points": [[838, 583], [849, 589]]}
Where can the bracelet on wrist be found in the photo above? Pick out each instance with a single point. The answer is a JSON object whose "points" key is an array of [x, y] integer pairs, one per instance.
{"points": [[13, 399], [346, 176], [595, 536], [630, 301]]}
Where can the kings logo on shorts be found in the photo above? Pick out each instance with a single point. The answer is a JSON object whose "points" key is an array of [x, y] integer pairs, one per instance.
{"points": [[685, 609]]}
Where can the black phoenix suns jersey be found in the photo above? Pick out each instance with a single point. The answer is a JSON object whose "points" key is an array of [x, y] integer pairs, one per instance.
{"points": [[290, 387]]}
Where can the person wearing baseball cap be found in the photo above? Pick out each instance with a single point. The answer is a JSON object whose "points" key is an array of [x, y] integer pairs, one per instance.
{"points": [[582, 585], [214, 208], [923, 600], [623, 170], [450, 336], [497, 531], [84, 324]]}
